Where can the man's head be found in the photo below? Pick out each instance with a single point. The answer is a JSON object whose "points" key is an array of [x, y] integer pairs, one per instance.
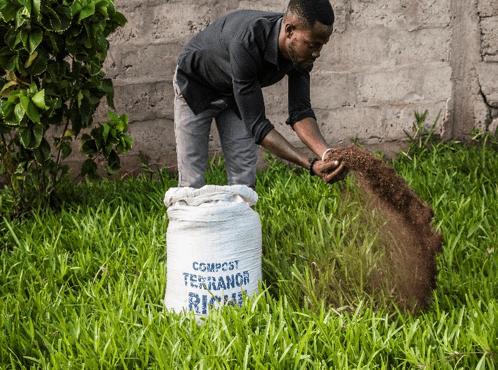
{"points": [[306, 27]]}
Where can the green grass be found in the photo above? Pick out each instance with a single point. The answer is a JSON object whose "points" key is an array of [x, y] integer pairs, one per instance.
{"points": [[83, 287]]}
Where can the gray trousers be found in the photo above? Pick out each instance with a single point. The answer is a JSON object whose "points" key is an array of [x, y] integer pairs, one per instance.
{"points": [[192, 143]]}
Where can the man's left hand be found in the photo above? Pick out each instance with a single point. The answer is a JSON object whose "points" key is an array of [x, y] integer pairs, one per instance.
{"points": [[330, 171]]}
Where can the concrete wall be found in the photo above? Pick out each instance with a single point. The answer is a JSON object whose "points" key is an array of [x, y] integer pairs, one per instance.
{"points": [[385, 60]]}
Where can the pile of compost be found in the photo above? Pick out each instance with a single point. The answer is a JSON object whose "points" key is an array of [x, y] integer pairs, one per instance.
{"points": [[408, 265]]}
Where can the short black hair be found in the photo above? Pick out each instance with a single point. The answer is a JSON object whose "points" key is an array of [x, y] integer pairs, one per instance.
{"points": [[310, 11]]}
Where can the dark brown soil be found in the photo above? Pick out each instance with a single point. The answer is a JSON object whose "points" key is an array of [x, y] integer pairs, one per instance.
{"points": [[408, 267]]}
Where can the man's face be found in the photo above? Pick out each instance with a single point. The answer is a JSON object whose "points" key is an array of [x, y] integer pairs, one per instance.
{"points": [[304, 44]]}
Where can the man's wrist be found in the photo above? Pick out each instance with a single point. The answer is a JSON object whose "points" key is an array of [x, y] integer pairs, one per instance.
{"points": [[312, 162], [325, 152]]}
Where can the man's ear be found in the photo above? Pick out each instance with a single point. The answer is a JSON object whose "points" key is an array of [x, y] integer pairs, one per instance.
{"points": [[289, 29]]}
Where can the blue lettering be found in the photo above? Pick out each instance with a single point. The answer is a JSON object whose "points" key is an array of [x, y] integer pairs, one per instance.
{"points": [[193, 302], [212, 283], [201, 279], [204, 304], [193, 265], [239, 279], [213, 300], [210, 267], [202, 267], [231, 266], [246, 277], [193, 279], [185, 276], [218, 266], [224, 265], [221, 283], [236, 264], [230, 282]]}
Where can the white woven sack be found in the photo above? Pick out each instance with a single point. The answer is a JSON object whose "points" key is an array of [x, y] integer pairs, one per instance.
{"points": [[213, 247]]}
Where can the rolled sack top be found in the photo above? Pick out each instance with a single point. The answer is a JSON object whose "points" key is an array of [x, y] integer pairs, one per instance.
{"points": [[209, 195]]}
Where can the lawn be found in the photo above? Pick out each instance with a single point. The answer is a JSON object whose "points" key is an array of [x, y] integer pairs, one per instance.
{"points": [[83, 286]]}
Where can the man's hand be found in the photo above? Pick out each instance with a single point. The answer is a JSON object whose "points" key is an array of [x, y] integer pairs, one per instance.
{"points": [[330, 171]]}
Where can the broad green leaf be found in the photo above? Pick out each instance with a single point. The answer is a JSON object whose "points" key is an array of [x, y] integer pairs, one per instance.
{"points": [[89, 168], [27, 4], [24, 34], [123, 147], [66, 149], [25, 102], [85, 137], [11, 76], [80, 98], [25, 136], [76, 7], [30, 109], [19, 112], [8, 112], [86, 12], [53, 42], [39, 99], [14, 96], [86, 37], [107, 150], [4, 128], [40, 63], [53, 18], [8, 58], [108, 89], [112, 116], [116, 16], [42, 152], [89, 147], [106, 131], [21, 15], [120, 126], [124, 118], [101, 7], [113, 163], [13, 37], [65, 16], [94, 69], [31, 59], [129, 142], [32, 89], [36, 9], [35, 38], [8, 85], [8, 10], [38, 133]]}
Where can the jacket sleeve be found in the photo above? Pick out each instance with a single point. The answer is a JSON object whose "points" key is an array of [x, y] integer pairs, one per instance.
{"points": [[299, 95], [247, 89]]}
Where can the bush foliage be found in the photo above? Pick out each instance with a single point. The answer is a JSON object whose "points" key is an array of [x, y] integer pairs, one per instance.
{"points": [[52, 53]]}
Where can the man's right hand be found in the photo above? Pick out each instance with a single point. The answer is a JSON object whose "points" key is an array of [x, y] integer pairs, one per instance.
{"points": [[330, 172]]}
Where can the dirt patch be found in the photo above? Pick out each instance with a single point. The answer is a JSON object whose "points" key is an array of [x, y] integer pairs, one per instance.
{"points": [[408, 267]]}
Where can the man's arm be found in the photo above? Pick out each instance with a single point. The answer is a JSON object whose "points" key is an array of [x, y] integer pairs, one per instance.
{"points": [[278, 145], [309, 133]]}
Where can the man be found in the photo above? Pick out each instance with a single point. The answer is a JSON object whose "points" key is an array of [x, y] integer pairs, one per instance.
{"points": [[220, 74]]}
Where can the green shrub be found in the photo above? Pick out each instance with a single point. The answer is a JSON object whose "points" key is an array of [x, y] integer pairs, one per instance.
{"points": [[52, 56]]}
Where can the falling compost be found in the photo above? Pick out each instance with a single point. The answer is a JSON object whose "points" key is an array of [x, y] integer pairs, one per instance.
{"points": [[408, 266]]}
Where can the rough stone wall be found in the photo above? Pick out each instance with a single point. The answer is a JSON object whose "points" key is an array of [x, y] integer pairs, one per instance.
{"points": [[385, 60], [488, 65]]}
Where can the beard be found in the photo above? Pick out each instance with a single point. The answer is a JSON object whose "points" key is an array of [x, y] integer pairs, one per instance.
{"points": [[292, 52], [294, 58]]}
